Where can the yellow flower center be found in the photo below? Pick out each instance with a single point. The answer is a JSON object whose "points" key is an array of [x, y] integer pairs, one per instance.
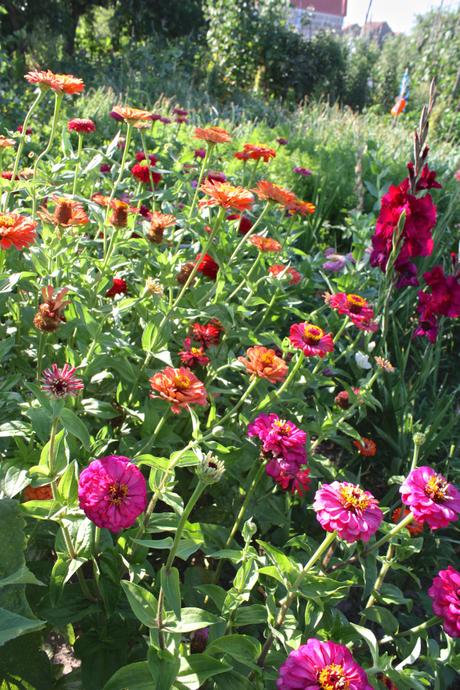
{"points": [[117, 492], [182, 382], [283, 426], [333, 677], [267, 358], [356, 301], [6, 221], [195, 351], [354, 498], [436, 488], [313, 333]]}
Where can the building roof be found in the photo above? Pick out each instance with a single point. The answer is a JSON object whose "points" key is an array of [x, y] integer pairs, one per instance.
{"points": [[337, 7]]}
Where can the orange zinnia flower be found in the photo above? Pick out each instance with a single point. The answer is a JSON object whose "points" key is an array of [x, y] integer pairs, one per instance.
{"points": [[119, 217], [6, 143], [226, 195], [265, 244], [366, 447], [213, 135], [130, 114], [180, 387], [66, 213], [273, 192], [263, 362], [60, 83], [414, 528], [38, 493], [16, 231], [304, 208], [158, 224], [258, 152]]}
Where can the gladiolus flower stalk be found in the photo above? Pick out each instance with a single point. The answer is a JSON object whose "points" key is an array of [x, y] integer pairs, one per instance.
{"points": [[22, 139], [293, 593], [57, 106]]}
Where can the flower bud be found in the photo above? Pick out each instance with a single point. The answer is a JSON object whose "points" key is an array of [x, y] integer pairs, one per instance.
{"points": [[419, 438], [210, 470]]}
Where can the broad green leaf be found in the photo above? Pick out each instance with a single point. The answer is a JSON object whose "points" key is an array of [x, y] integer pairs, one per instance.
{"points": [[22, 576], [142, 602], [250, 615], [164, 668], [190, 619], [170, 583], [243, 648], [132, 677], [76, 427], [197, 668], [371, 640], [13, 625]]}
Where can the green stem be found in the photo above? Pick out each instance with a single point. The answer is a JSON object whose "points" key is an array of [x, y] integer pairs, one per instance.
{"points": [[248, 234], [341, 330], [200, 487], [378, 583], [267, 310], [256, 476], [293, 593], [397, 528], [77, 164], [22, 140], [40, 351], [200, 178], [277, 393], [245, 279], [57, 106], [434, 620], [236, 407], [152, 438], [52, 450], [146, 154]]}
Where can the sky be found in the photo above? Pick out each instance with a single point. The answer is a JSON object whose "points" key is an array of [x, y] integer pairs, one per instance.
{"points": [[400, 14]]}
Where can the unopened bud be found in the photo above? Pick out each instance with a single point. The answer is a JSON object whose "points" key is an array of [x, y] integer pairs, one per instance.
{"points": [[210, 470], [419, 438]]}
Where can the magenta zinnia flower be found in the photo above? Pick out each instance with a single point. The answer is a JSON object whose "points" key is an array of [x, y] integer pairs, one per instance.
{"points": [[348, 510], [430, 497], [112, 492], [319, 665], [445, 593], [312, 340], [356, 308], [280, 438], [61, 383]]}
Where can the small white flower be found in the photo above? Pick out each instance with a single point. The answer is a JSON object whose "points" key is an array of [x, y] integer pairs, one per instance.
{"points": [[362, 361]]}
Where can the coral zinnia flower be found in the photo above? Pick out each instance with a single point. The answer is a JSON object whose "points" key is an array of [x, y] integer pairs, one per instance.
{"points": [[81, 126], [430, 497], [130, 115], [66, 213], [272, 192], [6, 143], [207, 334], [348, 510], [38, 493], [319, 665], [258, 152], [119, 287], [112, 492], [226, 195], [303, 208], [180, 387], [414, 528], [213, 135], [119, 217], [342, 399], [16, 231], [356, 308], [366, 447], [60, 83], [265, 244], [193, 356], [445, 593], [280, 271], [263, 362], [50, 313], [312, 340], [61, 383], [207, 266]]}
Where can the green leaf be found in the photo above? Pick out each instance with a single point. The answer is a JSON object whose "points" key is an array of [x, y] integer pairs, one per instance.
{"points": [[57, 579], [75, 426], [148, 337], [197, 668], [12, 480], [286, 568], [13, 625], [371, 640], [164, 668], [131, 677], [22, 576], [142, 602], [384, 617], [243, 648], [250, 615], [190, 619], [68, 484], [170, 583]]}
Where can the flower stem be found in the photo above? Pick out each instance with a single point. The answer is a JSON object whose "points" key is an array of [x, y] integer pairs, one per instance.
{"points": [[397, 528], [57, 106], [248, 234], [21, 142], [236, 407], [379, 582], [152, 438], [147, 159], [77, 164], [198, 184], [277, 393], [200, 487], [293, 593]]}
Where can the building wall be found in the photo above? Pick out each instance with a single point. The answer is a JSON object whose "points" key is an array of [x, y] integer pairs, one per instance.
{"points": [[319, 21]]}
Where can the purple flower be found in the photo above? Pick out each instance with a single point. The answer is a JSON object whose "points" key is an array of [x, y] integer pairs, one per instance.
{"points": [[199, 153], [336, 262], [407, 274], [282, 141], [305, 172], [105, 168], [165, 120], [430, 497], [319, 665]]}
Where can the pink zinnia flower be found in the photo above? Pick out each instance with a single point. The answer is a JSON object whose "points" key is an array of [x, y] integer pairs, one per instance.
{"points": [[319, 665], [112, 492], [280, 438], [430, 497], [445, 593], [180, 387], [61, 383], [305, 172], [312, 340], [348, 510], [356, 308], [81, 126]]}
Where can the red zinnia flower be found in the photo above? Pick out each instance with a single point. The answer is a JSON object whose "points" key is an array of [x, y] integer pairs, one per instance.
{"points": [[278, 270], [180, 387], [366, 447], [193, 356], [16, 231], [81, 126], [50, 313], [414, 528], [244, 225], [257, 152], [119, 287], [61, 383], [207, 266], [144, 173], [67, 212], [312, 340], [207, 334], [38, 493]]}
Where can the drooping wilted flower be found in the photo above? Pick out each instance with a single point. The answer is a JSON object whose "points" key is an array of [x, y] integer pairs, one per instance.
{"points": [[50, 313]]}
